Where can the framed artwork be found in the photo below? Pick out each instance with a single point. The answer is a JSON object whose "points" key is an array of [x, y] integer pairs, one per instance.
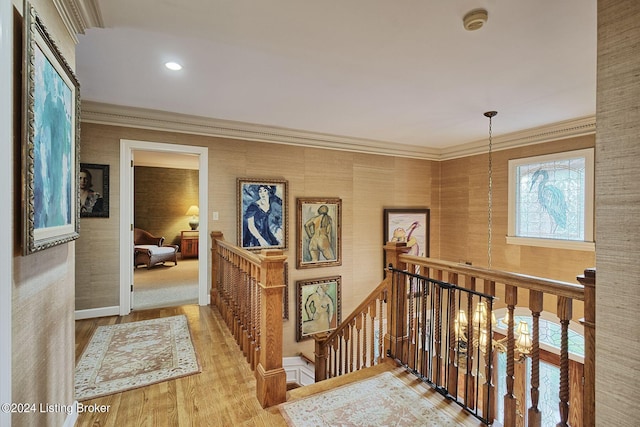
{"points": [[410, 226], [318, 232], [285, 293], [318, 306], [93, 186], [262, 214], [51, 131], [551, 200]]}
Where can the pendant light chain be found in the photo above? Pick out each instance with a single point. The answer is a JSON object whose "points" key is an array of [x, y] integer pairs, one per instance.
{"points": [[490, 115]]}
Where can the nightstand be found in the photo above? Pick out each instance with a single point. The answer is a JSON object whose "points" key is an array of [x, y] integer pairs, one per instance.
{"points": [[189, 243]]}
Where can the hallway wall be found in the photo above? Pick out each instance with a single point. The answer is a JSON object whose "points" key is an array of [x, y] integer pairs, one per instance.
{"points": [[43, 286], [366, 184], [618, 214]]}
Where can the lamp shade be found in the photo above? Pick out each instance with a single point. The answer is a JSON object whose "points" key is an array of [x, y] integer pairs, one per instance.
{"points": [[193, 210]]}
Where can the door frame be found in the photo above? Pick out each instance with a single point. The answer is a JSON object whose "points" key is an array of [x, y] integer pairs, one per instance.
{"points": [[127, 147]]}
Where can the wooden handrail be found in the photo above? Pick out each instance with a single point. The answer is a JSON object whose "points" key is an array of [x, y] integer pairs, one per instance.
{"points": [[384, 285], [251, 257], [248, 289], [548, 286], [354, 344], [446, 364]]}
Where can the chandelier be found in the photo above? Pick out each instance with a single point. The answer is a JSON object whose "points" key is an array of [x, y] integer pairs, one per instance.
{"points": [[481, 323]]}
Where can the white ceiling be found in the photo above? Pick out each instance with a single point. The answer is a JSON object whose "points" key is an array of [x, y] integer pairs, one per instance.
{"points": [[391, 71]]}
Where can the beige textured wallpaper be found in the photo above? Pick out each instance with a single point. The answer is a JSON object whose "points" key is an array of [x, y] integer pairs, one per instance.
{"points": [[43, 351], [618, 214], [464, 220], [161, 198], [366, 184]]}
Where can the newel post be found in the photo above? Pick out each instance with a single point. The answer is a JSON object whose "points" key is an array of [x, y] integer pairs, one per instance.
{"points": [[215, 267], [396, 335], [271, 379], [588, 280], [321, 355]]}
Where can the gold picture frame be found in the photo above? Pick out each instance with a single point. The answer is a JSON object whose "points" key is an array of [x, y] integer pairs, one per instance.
{"points": [[319, 239], [51, 131]]}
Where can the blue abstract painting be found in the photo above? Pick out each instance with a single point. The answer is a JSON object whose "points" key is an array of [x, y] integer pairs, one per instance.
{"points": [[52, 141], [53, 146]]}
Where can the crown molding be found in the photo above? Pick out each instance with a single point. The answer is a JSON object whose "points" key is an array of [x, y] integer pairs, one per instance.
{"points": [[551, 132], [115, 115], [79, 15], [93, 112]]}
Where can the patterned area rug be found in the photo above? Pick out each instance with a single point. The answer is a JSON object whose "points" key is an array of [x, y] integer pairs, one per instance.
{"points": [[130, 355], [383, 400]]}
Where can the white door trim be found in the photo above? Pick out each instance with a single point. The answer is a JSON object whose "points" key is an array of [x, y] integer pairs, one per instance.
{"points": [[126, 215]]}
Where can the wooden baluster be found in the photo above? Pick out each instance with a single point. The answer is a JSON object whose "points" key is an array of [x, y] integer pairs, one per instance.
{"points": [[374, 341], [348, 349], [489, 397], [564, 314], [359, 362], [215, 268], [536, 306], [321, 353], [510, 401], [452, 384], [588, 280], [395, 338], [437, 336], [255, 306], [470, 379], [246, 283], [381, 353], [271, 379], [336, 371]]}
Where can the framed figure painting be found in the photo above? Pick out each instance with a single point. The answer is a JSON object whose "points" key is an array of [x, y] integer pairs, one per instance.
{"points": [[318, 232], [50, 157], [262, 214], [318, 306], [410, 226], [93, 183]]}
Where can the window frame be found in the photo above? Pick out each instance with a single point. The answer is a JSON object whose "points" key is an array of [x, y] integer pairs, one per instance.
{"points": [[588, 244]]}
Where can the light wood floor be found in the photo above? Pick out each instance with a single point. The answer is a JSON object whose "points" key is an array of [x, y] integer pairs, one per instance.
{"points": [[223, 394]]}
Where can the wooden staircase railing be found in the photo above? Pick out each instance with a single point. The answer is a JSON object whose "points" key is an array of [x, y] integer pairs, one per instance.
{"points": [[357, 342], [248, 288]]}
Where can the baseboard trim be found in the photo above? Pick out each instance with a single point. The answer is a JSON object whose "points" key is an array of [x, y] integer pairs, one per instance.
{"points": [[71, 419], [97, 312]]}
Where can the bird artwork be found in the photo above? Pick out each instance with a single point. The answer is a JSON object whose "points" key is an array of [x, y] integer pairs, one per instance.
{"points": [[402, 235], [551, 198]]}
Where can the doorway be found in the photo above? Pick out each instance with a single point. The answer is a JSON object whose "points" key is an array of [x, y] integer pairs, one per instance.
{"points": [[128, 149]]}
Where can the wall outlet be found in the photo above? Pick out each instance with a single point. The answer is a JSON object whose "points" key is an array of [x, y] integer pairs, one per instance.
{"points": [[215, 216]]}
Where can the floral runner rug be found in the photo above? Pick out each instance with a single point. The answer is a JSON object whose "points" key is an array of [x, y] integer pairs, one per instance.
{"points": [[130, 355], [383, 400]]}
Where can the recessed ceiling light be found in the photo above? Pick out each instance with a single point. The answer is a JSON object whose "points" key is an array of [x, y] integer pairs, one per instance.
{"points": [[174, 66]]}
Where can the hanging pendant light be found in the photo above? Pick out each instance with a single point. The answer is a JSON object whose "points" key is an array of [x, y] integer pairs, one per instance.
{"points": [[490, 115]]}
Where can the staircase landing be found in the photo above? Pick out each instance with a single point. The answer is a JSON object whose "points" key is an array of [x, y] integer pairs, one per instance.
{"points": [[447, 407]]}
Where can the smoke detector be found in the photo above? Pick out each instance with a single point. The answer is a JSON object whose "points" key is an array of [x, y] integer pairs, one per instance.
{"points": [[475, 19]]}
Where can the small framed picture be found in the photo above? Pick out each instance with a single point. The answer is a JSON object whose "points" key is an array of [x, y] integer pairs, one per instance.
{"points": [[318, 306], [262, 213], [93, 186], [410, 226], [318, 232]]}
